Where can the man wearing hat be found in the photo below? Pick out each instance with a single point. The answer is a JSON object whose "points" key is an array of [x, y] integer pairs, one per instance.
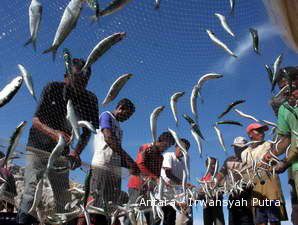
{"points": [[267, 187], [238, 215]]}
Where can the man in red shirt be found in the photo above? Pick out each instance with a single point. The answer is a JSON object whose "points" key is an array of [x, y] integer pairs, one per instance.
{"points": [[149, 160]]}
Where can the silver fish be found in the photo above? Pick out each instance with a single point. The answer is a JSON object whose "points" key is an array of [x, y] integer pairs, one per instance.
{"points": [[193, 101], [153, 121], [73, 119], [35, 15], [198, 140], [86, 214], [28, 80], [56, 153], [103, 46], [10, 90], [220, 138], [157, 4], [255, 39], [206, 77], [114, 6], [116, 88], [276, 67], [220, 43], [173, 104], [37, 196], [208, 166], [14, 141], [94, 5], [224, 23], [67, 24], [232, 6], [88, 125], [282, 91], [269, 123], [246, 115]]}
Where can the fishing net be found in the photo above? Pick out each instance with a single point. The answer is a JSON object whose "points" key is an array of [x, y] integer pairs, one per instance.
{"points": [[166, 50]]}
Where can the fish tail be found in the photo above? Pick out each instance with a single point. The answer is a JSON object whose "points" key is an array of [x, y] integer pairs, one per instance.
{"points": [[52, 49], [33, 41], [35, 99]]}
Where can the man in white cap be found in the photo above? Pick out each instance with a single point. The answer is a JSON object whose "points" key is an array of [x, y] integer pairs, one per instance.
{"points": [[240, 215]]}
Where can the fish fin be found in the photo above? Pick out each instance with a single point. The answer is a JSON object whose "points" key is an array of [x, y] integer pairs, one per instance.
{"points": [[31, 40], [52, 49]]}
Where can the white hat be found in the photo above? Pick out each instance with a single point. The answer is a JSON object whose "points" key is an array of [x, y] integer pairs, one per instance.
{"points": [[239, 142]]}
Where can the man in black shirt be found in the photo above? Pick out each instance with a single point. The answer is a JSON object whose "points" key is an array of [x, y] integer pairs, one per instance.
{"points": [[49, 123]]}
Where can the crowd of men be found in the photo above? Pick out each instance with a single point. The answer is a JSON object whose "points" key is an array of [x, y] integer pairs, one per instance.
{"points": [[152, 163]]}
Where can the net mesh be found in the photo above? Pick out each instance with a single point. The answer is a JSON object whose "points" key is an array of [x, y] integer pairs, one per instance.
{"points": [[165, 49]]}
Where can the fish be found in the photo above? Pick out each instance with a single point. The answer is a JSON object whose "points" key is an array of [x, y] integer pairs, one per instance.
{"points": [[269, 123], [86, 214], [232, 6], [157, 4], [94, 5], [276, 67], [114, 6], [87, 188], [269, 71], [153, 122], [206, 77], [208, 166], [173, 104], [215, 170], [194, 126], [103, 46], [193, 101], [183, 150], [224, 24], [246, 115], [67, 23], [231, 122], [14, 141], [73, 119], [67, 60], [88, 125], [116, 88], [220, 138], [28, 80], [37, 196], [198, 140], [56, 153], [255, 39], [282, 91], [220, 43], [10, 90], [231, 106], [35, 16]]}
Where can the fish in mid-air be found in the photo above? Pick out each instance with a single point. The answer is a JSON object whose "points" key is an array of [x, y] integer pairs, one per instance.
{"points": [[224, 24], [113, 7], [206, 77], [276, 67], [230, 107], [157, 4], [67, 60], [232, 6], [94, 5], [10, 90], [173, 103], [246, 115], [231, 122], [35, 15], [103, 46], [193, 101], [269, 72], [116, 87], [67, 24], [153, 122], [220, 43], [28, 80], [220, 138], [255, 40]]}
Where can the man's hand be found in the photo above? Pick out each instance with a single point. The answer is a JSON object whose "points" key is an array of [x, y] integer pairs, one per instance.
{"points": [[74, 159], [281, 167], [267, 157]]}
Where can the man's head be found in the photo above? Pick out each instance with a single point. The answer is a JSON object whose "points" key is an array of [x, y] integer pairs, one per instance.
{"points": [[239, 145], [178, 150], [256, 131], [124, 110], [212, 164], [289, 76], [78, 78], [164, 141]]}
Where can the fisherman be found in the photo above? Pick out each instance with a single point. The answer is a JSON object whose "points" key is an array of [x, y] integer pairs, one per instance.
{"points": [[238, 215], [172, 174], [287, 131], [149, 160], [108, 158], [49, 123], [7, 187], [266, 186]]}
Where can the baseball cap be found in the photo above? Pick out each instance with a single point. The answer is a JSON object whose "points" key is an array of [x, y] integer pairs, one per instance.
{"points": [[239, 142], [256, 126]]}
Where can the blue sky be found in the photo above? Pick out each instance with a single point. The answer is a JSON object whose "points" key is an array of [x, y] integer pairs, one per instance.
{"points": [[166, 50]]}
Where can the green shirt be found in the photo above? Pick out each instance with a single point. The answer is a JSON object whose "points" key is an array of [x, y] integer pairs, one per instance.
{"points": [[288, 126]]}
